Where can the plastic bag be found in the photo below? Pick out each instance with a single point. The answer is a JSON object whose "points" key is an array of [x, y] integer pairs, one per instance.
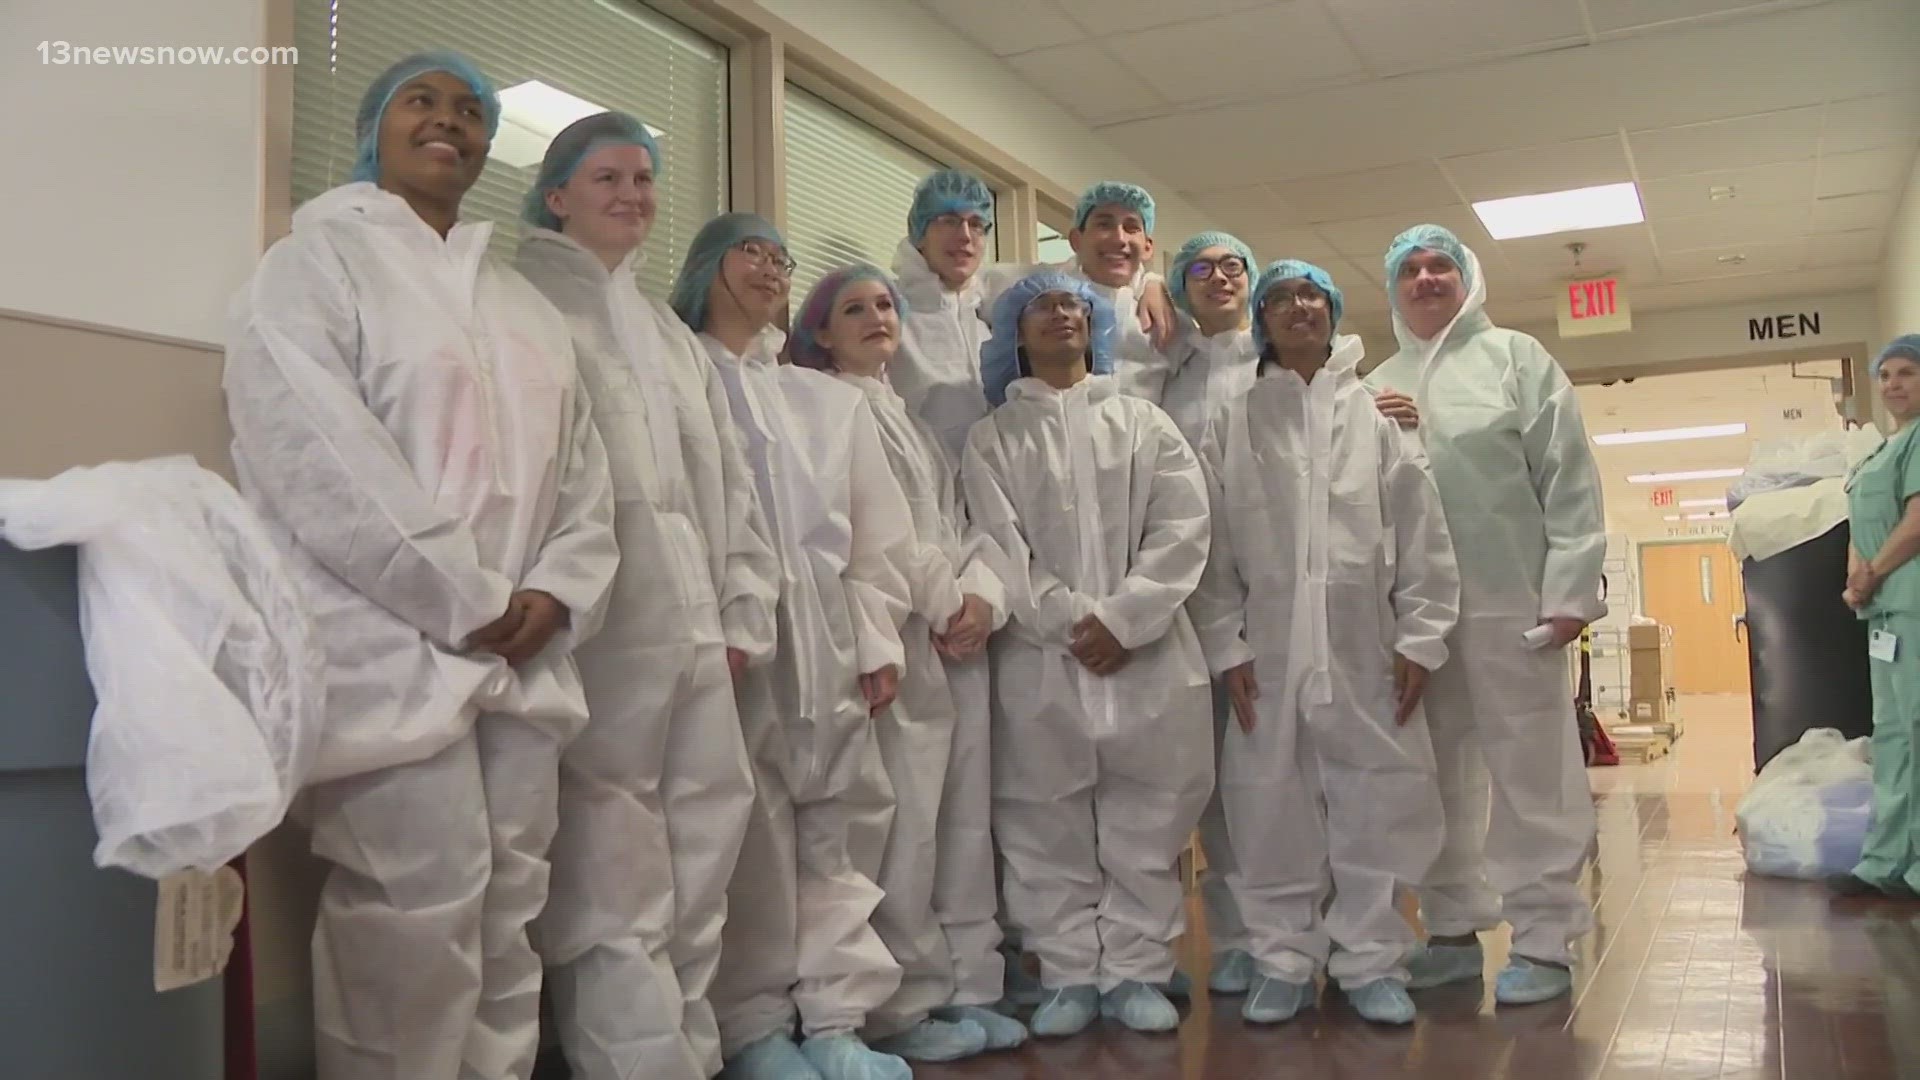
{"points": [[1808, 812], [1800, 460], [208, 680]]}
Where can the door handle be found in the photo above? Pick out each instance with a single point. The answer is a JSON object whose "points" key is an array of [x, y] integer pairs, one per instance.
{"points": [[1739, 628]]}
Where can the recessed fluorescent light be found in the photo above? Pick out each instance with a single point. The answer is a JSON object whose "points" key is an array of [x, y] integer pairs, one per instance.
{"points": [[1720, 192], [1561, 211], [1695, 517], [531, 114], [1682, 477], [1731, 260], [1706, 431], [1718, 503]]}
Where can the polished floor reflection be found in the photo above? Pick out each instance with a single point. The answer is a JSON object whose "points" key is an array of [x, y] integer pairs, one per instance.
{"points": [[1696, 971]]}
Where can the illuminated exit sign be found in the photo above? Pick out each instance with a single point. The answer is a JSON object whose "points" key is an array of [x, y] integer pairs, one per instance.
{"points": [[1595, 306], [1662, 498]]}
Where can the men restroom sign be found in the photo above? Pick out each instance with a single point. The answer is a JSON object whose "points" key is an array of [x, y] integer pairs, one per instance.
{"points": [[1594, 306], [1784, 327]]}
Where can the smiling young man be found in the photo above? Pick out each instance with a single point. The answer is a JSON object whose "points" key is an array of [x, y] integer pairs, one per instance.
{"points": [[406, 419]]}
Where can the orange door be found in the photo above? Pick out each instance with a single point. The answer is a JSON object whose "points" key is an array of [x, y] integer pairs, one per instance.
{"points": [[1695, 588]]}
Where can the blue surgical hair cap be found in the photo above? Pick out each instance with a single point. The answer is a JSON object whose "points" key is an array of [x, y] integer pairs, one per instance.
{"points": [[702, 264], [949, 191], [1428, 238], [1906, 346], [373, 103], [1115, 193], [571, 147], [1286, 270], [803, 341], [1000, 353], [1189, 251]]}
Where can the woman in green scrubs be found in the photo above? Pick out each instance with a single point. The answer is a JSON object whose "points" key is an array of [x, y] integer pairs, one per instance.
{"points": [[1883, 584]]}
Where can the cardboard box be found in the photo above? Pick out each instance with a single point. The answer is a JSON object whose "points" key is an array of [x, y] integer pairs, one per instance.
{"points": [[1649, 636]]}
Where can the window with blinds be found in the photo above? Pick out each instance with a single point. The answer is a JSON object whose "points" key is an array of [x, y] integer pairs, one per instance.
{"points": [[849, 190], [596, 54]]}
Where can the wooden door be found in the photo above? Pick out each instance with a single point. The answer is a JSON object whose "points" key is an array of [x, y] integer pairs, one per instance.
{"points": [[1695, 589]]}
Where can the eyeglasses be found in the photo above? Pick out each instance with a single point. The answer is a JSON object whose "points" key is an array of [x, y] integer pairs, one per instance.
{"points": [[1231, 267], [970, 223], [1057, 303], [762, 254], [1304, 294]]}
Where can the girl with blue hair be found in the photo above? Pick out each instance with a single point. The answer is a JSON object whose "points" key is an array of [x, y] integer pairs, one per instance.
{"points": [[1096, 513], [940, 845], [798, 943], [406, 416], [656, 792]]}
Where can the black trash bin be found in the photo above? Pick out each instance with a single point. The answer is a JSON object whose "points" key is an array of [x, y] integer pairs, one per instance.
{"points": [[1806, 648], [76, 942]]}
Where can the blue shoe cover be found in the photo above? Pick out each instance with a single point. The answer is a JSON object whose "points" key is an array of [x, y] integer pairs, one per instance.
{"points": [[1067, 1011], [1232, 973], [1275, 1001], [772, 1058], [1003, 1032], [1525, 982], [843, 1056], [1383, 1001], [1140, 1007], [1440, 965], [936, 1040]]}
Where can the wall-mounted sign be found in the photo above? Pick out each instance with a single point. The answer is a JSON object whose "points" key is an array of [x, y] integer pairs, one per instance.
{"points": [[1786, 327], [1662, 498], [1595, 306]]}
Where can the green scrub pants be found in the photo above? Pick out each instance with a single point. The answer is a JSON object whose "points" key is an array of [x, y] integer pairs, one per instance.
{"points": [[1892, 853]]}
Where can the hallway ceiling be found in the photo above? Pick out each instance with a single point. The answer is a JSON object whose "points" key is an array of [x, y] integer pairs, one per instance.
{"points": [[1319, 128]]}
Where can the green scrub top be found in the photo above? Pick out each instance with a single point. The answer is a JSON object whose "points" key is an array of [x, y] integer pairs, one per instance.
{"points": [[1877, 495]]}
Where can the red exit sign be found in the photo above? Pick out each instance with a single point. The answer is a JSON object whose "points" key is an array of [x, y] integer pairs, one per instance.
{"points": [[1594, 306], [1663, 497]]}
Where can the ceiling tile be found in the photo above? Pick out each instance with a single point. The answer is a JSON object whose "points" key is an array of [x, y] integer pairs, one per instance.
{"points": [[1761, 139], [1612, 16], [1246, 224], [1545, 260], [1292, 47], [1367, 238], [1848, 212], [1864, 123], [1861, 246], [1273, 244], [1241, 197], [1532, 170], [1101, 17], [1759, 258], [1394, 36], [1006, 27], [1732, 223], [1884, 169], [1410, 186], [1680, 196], [1084, 79]]}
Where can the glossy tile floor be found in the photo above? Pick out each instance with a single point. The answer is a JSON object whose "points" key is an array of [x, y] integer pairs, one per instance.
{"points": [[1696, 971]]}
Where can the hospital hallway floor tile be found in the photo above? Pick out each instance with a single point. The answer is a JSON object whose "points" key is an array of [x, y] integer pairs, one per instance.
{"points": [[1696, 970]]}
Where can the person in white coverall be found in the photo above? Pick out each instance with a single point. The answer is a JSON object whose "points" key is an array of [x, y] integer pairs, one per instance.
{"points": [[798, 941], [655, 793], [850, 326], [406, 418], [1509, 453], [1326, 603], [1102, 760]]}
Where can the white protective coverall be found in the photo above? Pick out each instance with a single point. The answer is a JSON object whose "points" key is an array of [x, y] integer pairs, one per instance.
{"points": [[406, 417], [798, 934], [1095, 506], [937, 370], [919, 735], [1208, 372], [1509, 453], [1330, 555], [656, 792]]}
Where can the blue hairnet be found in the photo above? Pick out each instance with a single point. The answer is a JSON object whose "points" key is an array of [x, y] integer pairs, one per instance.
{"points": [[949, 191], [1906, 345], [817, 310], [571, 147], [1428, 238], [1284, 270], [373, 104], [1115, 193], [1000, 353], [1189, 251], [702, 265]]}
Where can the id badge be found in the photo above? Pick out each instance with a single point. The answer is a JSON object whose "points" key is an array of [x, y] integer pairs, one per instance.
{"points": [[1881, 646]]}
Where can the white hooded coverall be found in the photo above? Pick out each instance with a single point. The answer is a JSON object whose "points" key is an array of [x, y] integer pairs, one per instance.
{"points": [[937, 371], [1330, 555], [1208, 372], [1095, 506], [1502, 430], [656, 792], [406, 417], [798, 935], [1139, 369], [918, 736]]}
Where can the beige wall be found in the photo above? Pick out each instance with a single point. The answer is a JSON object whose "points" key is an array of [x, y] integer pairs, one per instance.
{"points": [[80, 395], [1900, 279]]}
